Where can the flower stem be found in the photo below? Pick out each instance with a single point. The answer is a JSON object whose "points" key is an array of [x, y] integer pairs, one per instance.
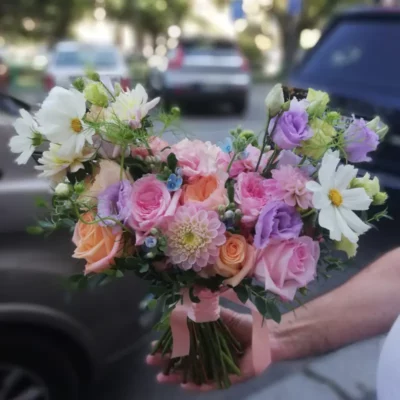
{"points": [[264, 143], [231, 162], [121, 172]]}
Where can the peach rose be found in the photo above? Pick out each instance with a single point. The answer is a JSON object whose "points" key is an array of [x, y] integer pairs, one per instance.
{"points": [[208, 192], [96, 244], [236, 259], [108, 173]]}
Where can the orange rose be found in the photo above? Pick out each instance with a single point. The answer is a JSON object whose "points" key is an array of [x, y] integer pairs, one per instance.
{"points": [[96, 244], [207, 191], [236, 259]]}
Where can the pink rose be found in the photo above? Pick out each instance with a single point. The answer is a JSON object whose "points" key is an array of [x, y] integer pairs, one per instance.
{"points": [[251, 195], [208, 192], [249, 163], [199, 158], [151, 203], [157, 146], [287, 266]]}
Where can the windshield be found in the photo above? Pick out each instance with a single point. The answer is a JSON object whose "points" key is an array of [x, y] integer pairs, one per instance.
{"points": [[97, 58], [357, 53]]}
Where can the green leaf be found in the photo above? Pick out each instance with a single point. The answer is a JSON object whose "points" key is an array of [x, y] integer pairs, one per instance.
{"points": [[34, 230], [172, 162], [193, 297], [119, 274], [261, 305], [151, 304], [157, 291], [144, 268], [242, 293], [274, 311], [41, 203]]}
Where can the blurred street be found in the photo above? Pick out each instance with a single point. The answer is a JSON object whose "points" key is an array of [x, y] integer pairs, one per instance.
{"points": [[131, 379]]}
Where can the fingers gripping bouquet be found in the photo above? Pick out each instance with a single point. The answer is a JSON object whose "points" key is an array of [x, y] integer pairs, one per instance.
{"points": [[252, 221]]}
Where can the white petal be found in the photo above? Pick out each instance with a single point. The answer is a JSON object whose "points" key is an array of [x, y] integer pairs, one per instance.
{"points": [[18, 144], [141, 93], [344, 175], [24, 157], [356, 199], [321, 200], [22, 128], [327, 219], [327, 171], [344, 227], [313, 186], [68, 148], [354, 221]]}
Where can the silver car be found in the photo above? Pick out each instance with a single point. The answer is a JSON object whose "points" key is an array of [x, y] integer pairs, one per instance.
{"points": [[54, 341], [202, 70], [70, 60]]}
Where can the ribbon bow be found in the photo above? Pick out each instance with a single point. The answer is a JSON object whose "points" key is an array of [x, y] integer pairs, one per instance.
{"points": [[208, 310]]}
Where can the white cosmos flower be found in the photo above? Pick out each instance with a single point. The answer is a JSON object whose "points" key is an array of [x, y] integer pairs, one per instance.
{"points": [[27, 137], [132, 106], [61, 120], [335, 202], [55, 164]]}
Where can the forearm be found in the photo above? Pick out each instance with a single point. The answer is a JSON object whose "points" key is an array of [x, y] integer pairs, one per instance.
{"points": [[365, 306]]}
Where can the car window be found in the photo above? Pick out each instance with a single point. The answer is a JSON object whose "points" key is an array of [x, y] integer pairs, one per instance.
{"points": [[97, 58], [204, 47], [358, 53]]}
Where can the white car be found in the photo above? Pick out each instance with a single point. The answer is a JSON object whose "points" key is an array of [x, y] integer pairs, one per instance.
{"points": [[71, 60]]}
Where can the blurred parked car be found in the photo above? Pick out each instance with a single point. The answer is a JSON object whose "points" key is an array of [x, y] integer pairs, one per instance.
{"points": [[357, 62], [70, 60], [202, 70], [54, 341]]}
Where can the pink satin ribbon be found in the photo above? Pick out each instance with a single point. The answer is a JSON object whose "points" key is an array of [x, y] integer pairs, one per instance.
{"points": [[208, 310]]}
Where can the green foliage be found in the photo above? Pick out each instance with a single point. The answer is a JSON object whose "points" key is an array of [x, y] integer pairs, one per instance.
{"points": [[137, 167], [172, 162]]}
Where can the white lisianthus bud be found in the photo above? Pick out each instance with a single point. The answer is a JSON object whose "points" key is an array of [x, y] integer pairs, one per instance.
{"points": [[348, 247], [318, 101], [274, 100], [229, 214], [63, 189]]}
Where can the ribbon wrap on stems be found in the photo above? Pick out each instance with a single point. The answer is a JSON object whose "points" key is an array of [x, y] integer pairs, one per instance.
{"points": [[208, 310]]}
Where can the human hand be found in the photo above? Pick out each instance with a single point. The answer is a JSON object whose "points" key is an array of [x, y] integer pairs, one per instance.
{"points": [[241, 327]]}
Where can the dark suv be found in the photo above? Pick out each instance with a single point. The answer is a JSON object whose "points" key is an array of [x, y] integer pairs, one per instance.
{"points": [[357, 61]]}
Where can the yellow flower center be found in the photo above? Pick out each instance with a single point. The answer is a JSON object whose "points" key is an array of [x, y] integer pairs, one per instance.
{"points": [[76, 125], [189, 238], [335, 197]]}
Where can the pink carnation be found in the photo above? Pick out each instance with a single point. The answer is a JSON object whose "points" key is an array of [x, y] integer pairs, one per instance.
{"points": [[249, 163], [194, 236], [283, 267], [289, 185], [197, 158], [251, 194]]}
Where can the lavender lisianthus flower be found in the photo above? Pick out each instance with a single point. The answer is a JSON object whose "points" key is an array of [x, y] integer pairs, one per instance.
{"points": [[292, 127], [359, 140], [287, 157], [277, 221], [114, 202]]}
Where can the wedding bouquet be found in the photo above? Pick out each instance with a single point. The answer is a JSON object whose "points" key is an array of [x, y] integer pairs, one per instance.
{"points": [[252, 219]]}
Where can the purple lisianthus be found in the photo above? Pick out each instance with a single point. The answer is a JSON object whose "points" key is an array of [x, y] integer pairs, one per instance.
{"points": [[114, 202], [287, 157], [277, 221], [292, 127], [359, 140]]}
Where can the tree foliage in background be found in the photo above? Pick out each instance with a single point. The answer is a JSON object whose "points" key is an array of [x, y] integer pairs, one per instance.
{"points": [[151, 17], [53, 18]]}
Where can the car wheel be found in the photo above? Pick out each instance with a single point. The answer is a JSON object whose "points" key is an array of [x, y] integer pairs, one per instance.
{"points": [[239, 106], [35, 368]]}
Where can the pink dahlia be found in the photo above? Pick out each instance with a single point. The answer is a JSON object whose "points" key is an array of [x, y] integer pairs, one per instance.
{"points": [[194, 236], [289, 184]]}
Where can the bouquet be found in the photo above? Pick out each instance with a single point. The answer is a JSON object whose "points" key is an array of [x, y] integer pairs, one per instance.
{"points": [[253, 219]]}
